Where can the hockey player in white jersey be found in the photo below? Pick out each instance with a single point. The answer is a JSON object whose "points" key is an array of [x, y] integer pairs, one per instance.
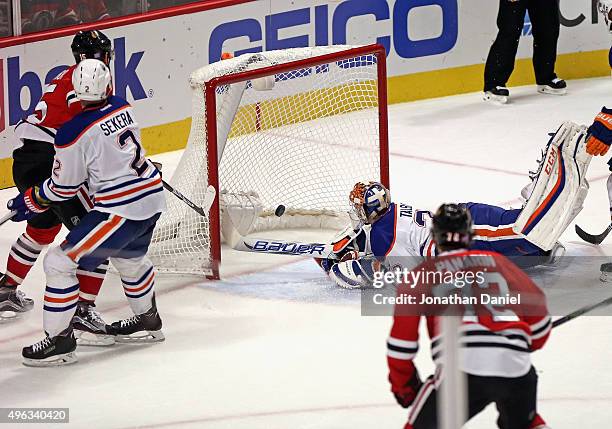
{"points": [[396, 235], [100, 146]]}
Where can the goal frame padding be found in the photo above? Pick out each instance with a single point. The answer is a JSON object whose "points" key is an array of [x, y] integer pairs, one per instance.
{"points": [[211, 86]]}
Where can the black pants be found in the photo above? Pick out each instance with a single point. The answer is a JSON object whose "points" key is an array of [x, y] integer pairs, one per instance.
{"points": [[545, 24], [515, 399], [32, 165]]}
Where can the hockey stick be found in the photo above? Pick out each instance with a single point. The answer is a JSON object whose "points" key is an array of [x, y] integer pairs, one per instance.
{"points": [[281, 247], [258, 245], [4, 219], [581, 311], [209, 198], [593, 239]]}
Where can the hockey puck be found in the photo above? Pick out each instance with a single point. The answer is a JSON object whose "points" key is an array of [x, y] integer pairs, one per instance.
{"points": [[279, 210]]}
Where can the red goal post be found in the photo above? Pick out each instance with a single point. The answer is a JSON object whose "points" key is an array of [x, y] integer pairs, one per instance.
{"points": [[303, 112]]}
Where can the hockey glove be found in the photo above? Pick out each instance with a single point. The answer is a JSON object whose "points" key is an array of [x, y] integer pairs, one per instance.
{"points": [[27, 205], [327, 263], [600, 133], [355, 274], [407, 394]]}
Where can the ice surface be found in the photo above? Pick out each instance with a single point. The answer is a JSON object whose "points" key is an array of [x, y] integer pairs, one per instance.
{"points": [[274, 345]]}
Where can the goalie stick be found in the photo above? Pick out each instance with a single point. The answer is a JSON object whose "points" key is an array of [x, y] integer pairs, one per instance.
{"points": [[280, 247], [593, 239], [581, 311]]}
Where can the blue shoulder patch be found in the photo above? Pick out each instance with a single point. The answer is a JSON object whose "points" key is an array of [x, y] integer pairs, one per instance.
{"points": [[382, 234], [69, 132]]}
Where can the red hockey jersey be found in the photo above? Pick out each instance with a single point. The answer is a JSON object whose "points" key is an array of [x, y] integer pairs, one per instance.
{"points": [[496, 340], [56, 107]]}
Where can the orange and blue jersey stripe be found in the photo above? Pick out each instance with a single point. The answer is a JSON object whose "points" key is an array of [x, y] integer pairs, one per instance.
{"points": [[129, 191], [95, 237]]}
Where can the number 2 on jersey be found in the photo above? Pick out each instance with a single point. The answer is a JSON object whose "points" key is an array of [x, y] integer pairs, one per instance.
{"points": [[139, 164], [420, 217]]}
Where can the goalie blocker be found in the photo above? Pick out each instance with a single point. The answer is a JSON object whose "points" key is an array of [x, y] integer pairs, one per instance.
{"points": [[559, 189]]}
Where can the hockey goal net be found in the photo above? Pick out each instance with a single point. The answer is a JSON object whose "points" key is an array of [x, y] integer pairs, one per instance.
{"points": [[296, 127]]}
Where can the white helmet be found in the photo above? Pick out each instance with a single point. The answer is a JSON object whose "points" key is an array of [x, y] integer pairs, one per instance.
{"points": [[91, 80], [605, 7]]}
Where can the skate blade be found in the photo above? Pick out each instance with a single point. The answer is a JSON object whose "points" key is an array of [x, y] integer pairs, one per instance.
{"points": [[59, 360], [85, 338], [141, 338], [605, 277], [495, 99], [9, 316], [551, 91]]}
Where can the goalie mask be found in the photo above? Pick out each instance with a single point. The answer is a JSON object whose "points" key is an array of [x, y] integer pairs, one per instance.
{"points": [[370, 201], [605, 7]]}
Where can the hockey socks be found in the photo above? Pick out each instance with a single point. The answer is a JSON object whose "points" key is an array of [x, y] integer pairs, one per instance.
{"points": [[139, 289], [25, 252], [90, 282]]}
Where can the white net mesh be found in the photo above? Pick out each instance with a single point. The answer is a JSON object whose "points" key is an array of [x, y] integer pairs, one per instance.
{"points": [[300, 138]]}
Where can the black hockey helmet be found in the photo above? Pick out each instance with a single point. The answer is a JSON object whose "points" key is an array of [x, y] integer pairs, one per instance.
{"points": [[92, 44], [452, 227]]}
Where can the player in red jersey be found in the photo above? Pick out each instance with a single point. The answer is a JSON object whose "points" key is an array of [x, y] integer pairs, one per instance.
{"points": [[32, 164], [496, 341]]}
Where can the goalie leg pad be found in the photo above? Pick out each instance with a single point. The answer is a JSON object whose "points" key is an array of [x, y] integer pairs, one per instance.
{"points": [[559, 190]]}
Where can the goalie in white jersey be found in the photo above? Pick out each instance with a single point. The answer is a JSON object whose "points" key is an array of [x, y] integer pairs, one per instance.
{"points": [[397, 236], [100, 146]]}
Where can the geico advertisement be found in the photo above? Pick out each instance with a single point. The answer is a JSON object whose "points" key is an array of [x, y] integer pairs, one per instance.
{"points": [[153, 59]]}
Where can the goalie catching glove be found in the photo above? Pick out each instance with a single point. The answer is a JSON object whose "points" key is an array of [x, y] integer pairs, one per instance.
{"points": [[28, 204]]}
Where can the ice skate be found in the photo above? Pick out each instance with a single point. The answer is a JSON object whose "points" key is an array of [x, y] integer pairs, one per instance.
{"points": [[555, 255], [141, 328], [89, 327], [52, 351], [554, 87], [13, 302], [498, 95], [606, 272]]}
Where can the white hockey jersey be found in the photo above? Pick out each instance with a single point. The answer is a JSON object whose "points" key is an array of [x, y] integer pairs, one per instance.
{"points": [[403, 232], [102, 147]]}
